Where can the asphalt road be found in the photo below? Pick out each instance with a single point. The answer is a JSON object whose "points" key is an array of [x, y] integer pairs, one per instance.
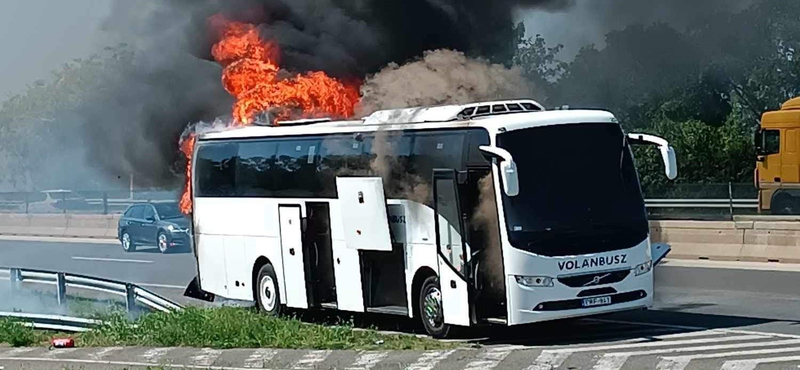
{"points": [[707, 316]]}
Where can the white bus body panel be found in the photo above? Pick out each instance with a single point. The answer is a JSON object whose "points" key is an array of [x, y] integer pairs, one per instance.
{"points": [[292, 249], [363, 212], [346, 267], [219, 222]]}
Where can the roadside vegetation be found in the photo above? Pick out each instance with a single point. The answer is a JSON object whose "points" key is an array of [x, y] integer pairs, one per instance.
{"points": [[223, 328]]}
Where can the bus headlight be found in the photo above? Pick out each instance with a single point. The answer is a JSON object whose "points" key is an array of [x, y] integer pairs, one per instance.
{"points": [[534, 281], [643, 268]]}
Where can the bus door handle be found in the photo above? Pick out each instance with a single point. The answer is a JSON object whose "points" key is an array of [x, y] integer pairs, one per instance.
{"points": [[453, 284], [291, 251]]}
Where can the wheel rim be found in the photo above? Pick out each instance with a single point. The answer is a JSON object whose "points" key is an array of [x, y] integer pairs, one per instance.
{"points": [[268, 293], [162, 242], [126, 241], [432, 308]]}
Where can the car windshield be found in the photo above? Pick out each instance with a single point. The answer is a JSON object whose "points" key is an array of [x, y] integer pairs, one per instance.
{"points": [[168, 210], [579, 190]]}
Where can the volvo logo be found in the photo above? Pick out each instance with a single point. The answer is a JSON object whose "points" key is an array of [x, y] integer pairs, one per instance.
{"points": [[596, 280]]}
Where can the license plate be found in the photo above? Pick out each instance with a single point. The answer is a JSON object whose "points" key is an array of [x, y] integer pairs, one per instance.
{"points": [[596, 301]]}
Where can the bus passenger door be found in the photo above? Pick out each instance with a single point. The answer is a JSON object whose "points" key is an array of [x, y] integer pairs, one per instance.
{"points": [[292, 251], [453, 252]]}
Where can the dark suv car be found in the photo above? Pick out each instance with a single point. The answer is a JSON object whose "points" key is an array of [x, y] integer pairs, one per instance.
{"points": [[161, 224]]}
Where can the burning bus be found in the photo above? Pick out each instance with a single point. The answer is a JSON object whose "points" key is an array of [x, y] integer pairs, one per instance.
{"points": [[456, 215]]}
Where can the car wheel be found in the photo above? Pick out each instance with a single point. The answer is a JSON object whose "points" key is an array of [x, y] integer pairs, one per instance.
{"points": [[127, 242], [430, 309], [163, 242], [268, 296]]}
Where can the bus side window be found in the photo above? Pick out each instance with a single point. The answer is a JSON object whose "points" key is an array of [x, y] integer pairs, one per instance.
{"points": [[772, 142], [436, 151], [254, 175], [216, 170], [340, 155], [296, 168]]}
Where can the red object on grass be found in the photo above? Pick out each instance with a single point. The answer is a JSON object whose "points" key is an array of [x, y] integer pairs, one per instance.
{"points": [[63, 343]]}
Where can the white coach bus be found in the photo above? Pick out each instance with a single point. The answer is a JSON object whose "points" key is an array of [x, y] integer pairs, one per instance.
{"points": [[487, 213]]}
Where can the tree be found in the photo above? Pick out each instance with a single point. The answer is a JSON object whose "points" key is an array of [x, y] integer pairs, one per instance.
{"points": [[539, 63]]}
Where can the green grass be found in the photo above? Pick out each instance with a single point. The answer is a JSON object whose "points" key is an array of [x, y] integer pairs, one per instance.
{"points": [[16, 334], [242, 328]]}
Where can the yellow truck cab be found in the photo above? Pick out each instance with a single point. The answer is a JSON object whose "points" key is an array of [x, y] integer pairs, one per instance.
{"points": [[778, 172]]}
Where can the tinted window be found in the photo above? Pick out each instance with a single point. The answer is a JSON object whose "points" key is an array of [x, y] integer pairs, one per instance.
{"points": [[137, 212], [296, 169], [168, 210], [216, 170], [477, 138], [483, 110], [499, 108], [254, 176], [149, 213], [341, 156], [434, 151], [772, 141], [514, 107], [530, 106], [129, 212]]}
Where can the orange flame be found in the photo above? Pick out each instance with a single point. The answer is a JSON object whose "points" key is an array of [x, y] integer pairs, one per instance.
{"points": [[251, 75]]}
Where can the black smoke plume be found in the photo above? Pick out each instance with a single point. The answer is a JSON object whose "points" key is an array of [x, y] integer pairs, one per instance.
{"points": [[134, 124]]}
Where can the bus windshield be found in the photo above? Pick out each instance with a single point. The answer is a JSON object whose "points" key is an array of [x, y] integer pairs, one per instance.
{"points": [[579, 190]]}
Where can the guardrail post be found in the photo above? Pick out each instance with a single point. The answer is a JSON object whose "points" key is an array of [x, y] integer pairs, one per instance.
{"points": [[105, 203], [61, 289], [27, 201], [64, 200], [730, 198], [15, 279], [130, 298]]}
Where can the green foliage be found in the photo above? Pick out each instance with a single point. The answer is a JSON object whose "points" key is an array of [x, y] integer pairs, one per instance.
{"points": [[16, 334], [241, 328]]}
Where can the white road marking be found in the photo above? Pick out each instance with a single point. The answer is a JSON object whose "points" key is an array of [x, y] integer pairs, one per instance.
{"points": [[614, 361], [556, 357], [490, 358], [154, 355], [723, 331], [259, 358], [751, 364], [206, 357], [429, 359], [98, 259], [367, 360], [103, 352], [48, 239], [115, 363], [680, 362], [311, 359], [59, 351]]}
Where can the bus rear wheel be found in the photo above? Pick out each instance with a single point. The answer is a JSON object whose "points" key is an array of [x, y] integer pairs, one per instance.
{"points": [[268, 298], [430, 309]]}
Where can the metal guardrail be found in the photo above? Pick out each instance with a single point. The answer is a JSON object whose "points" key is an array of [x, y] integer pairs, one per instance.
{"points": [[132, 294]]}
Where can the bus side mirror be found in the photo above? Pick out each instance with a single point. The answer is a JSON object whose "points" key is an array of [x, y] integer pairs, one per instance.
{"points": [[667, 152], [508, 169]]}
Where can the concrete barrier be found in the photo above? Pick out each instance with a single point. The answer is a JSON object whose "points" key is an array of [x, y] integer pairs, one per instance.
{"points": [[77, 226], [758, 241]]}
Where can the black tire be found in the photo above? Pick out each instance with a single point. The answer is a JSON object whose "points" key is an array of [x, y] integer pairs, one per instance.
{"points": [[430, 312], [784, 205], [127, 242], [268, 298], [163, 245]]}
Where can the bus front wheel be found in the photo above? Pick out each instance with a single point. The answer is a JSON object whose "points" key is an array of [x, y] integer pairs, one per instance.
{"points": [[268, 297], [430, 309]]}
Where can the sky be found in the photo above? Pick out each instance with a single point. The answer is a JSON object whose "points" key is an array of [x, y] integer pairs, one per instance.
{"points": [[38, 36]]}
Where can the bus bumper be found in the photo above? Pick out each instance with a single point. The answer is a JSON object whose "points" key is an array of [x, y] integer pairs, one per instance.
{"points": [[531, 306]]}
